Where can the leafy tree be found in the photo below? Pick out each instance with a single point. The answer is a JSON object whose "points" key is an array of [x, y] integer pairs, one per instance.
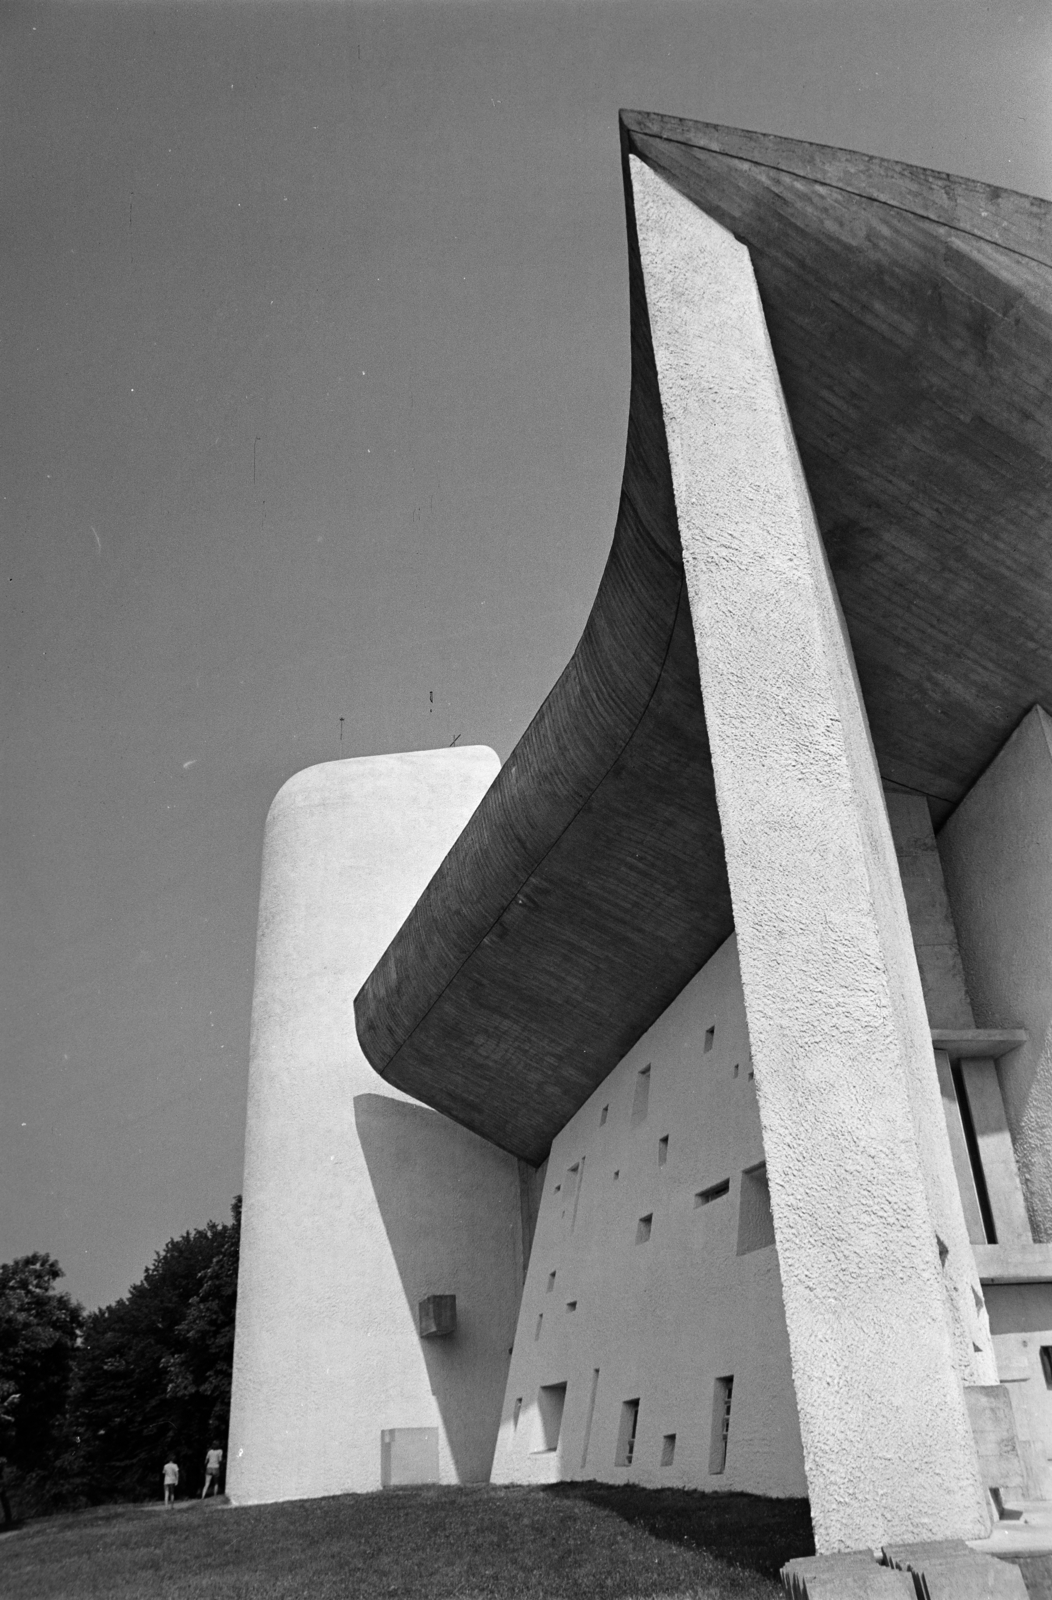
{"points": [[202, 1368], [39, 1329], [153, 1370]]}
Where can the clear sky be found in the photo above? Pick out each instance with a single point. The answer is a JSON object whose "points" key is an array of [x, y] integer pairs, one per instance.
{"points": [[316, 376]]}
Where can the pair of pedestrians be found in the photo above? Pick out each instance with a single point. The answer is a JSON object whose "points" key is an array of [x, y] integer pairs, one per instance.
{"points": [[213, 1467]]}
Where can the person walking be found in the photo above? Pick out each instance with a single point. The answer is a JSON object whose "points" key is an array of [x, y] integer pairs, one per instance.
{"points": [[213, 1467], [171, 1480]]}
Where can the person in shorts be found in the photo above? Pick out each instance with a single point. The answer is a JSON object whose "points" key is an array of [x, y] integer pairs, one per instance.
{"points": [[171, 1480], [213, 1467]]}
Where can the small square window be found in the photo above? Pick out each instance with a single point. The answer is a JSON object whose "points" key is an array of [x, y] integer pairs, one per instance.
{"points": [[617, 1173], [668, 1449], [571, 1305], [644, 1227], [663, 1150]]}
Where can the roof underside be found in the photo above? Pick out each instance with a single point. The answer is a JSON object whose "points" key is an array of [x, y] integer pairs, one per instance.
{"points": [[911, 319]]}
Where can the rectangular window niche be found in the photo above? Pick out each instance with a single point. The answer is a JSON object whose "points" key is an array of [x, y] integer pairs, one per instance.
{"points": [[715, 1191], [551, 1400], [755, 1223], [641, 1098], [626, 1434], [644, 1227], [668, 1449], [721, 1423]]}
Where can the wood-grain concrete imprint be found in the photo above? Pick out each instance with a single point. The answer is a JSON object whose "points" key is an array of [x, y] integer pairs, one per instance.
{"points": [[910, 315]]}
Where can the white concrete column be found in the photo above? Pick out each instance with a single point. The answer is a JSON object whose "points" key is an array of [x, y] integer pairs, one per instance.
{"points": [[862, 1183], [358, 1202], [996, 851]]}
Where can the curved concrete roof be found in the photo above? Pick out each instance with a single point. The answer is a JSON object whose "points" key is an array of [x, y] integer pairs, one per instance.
{"points": [[911, 319]]}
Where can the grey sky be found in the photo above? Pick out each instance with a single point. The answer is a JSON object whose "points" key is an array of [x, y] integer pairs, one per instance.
{"points": [[316, 343]]}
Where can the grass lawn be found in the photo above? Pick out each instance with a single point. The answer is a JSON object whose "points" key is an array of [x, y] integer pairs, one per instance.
{"points": [[571, 1542]]}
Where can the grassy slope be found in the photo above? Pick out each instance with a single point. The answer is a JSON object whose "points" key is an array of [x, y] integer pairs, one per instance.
{"points": [[579, 1542]]}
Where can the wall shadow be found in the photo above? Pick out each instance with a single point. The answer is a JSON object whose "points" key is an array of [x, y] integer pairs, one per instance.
{"points": [[745, 1530], [449, 1202]]}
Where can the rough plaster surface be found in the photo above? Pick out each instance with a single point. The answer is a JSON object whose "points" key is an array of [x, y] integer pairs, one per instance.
{"points": [[997, 854], [358, 1202], [661, 1320], [861, 1176]]}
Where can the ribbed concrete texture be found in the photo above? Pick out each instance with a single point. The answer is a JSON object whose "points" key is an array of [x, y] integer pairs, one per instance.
{"points": [[997, 854], [861, 1177], [653, 1282], [358, 1202]]}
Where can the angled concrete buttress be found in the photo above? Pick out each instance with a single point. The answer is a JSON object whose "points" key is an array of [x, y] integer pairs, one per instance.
{"points": [[883, 1333], [359, 1202]]}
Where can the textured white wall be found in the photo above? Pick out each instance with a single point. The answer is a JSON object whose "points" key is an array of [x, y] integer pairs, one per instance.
{"points": [[661, 1320], [997, 855], [357, 1201], [861, 1176]]}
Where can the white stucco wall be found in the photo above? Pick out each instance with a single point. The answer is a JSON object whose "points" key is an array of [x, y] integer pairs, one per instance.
{"points": [[996, 851], [358, 1201], [662, 1319], [883, 1335]]}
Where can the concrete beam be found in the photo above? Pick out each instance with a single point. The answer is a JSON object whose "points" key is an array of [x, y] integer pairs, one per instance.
{"points": [[882, 1335]]}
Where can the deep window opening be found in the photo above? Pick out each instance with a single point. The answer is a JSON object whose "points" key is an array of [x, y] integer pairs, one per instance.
{"points": [[710, 1036], [551, 1401], [644, 1227], [721, 1422], [668, 1449], [755, 1222], [626, 1433], [715, 1191], [641, 1099], [663, 1150]]}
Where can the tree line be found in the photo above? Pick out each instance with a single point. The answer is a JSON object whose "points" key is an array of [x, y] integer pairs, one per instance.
{"points": [[104, 1397]]}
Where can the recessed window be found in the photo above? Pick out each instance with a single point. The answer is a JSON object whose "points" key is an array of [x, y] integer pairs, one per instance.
{"points": [[626, 1434], [540, 1323], [755, 1222], [516, 1413], [710, 1038], [715, 1191], [617, 1173], [721, 1423], [551, 1283], [575, 1183], [751, 1074], [737, 1069], [571, 1305], [588, 1419], [1046, 1364], [641, 1099], [643, 1228], [662, 1151], [551, 1400], [558, 1187], [603, 1115], [668, 1449]]}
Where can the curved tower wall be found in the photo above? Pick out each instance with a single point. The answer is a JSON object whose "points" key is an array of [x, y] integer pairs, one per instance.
{"points": [[358, 1201]]}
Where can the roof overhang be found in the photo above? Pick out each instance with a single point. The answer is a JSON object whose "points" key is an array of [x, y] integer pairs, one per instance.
{"points": [[910, 315]]}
